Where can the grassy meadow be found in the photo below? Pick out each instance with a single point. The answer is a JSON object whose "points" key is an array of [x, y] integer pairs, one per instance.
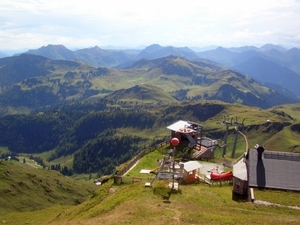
{"points": [[26, 187], [132, 203]]}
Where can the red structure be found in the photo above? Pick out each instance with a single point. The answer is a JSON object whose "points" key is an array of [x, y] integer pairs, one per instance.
{"points": [[221, 176]]}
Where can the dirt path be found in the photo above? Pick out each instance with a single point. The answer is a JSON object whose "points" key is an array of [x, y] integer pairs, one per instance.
{"points": [[260, 202], [132, 167]]}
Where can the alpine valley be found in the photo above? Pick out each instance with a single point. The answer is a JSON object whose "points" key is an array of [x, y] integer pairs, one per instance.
{"points": [[84, 113]]}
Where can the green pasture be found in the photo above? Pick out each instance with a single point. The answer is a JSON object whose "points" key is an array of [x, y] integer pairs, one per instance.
{"points": [[199, 203]]}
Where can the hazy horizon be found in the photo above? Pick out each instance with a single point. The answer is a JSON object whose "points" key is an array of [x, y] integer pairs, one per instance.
{"points": [[111, 47], [31, 24]]}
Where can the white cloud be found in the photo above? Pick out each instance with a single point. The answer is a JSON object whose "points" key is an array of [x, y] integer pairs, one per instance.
{"points": [[33, 23]]}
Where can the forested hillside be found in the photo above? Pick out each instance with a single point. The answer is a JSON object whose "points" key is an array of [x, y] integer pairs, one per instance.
{"points": [[96, 140], [91, 137], [78, 118]]}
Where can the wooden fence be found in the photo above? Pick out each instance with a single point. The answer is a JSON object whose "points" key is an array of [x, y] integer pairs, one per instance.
{"points": [[118, 176]]}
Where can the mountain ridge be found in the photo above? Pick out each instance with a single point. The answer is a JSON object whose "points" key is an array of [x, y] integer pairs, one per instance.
{"points": [[89, 119], [76, 81], [267, 71]]}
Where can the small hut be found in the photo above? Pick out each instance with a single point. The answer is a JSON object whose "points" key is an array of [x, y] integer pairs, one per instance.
{"points": [[191, 171]]}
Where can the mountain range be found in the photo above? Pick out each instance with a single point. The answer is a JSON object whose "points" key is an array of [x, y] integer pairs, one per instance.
{"points": [[267, 65], [271, 65], [34, 82], [86, 112]]}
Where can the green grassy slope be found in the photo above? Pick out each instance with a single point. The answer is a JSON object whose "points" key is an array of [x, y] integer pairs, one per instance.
{"points": [[275, 135], [195, 204], [59, 82], [290, 109], [143, 93], [25, 188], [213, 204], [132, 203]]}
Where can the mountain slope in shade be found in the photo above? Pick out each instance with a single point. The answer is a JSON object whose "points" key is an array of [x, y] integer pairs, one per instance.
{"points": [[292, 59], [268, 64], [220, 55], [269, 72], [100, 57], [17, 68], [281, 90]]}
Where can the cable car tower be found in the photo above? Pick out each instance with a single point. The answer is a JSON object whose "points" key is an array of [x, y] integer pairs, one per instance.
{"points": [[228, 124], [237, 126]]}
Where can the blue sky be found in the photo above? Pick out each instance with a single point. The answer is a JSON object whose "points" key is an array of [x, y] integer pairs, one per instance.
{"points": [[30, 24]]}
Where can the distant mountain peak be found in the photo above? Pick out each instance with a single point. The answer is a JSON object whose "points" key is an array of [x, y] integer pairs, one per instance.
{"points": [[51, 45], [152, 48], [157, 51], [222, 49], [53, 52], [268, 47], [96, 47]]}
